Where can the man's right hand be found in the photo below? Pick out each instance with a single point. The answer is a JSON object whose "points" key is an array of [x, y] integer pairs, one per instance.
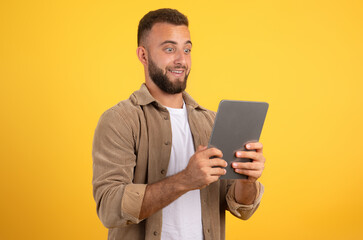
{"points": [[202, 170]]}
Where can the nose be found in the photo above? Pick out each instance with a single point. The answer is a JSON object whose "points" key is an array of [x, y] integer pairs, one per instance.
{"points": [[180, 57]]}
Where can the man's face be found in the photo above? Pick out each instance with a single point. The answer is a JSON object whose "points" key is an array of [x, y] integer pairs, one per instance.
{"points": [[169, 60]]}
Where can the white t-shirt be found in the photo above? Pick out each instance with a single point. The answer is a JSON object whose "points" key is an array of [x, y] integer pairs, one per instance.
{"points": [[182, 219]]}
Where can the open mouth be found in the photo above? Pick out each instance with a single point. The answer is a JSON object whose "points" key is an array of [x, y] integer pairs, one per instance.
{"points": [[177, 72]]}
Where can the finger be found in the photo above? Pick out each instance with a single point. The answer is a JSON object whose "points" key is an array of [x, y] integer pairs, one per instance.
{"points": [[217, 171], [213, 152], [255, 146], [217, 162], [248, 165], [250, 173], [251, 155]]}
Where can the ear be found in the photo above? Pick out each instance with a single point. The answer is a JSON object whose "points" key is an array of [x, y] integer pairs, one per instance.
{"points": [[142, 55]]}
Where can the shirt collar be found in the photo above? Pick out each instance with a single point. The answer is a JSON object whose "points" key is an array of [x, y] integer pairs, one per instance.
{"points": [[143, 97]]}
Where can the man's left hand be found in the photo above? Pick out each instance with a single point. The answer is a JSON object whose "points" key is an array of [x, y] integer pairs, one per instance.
{"points": [[252, 169]]}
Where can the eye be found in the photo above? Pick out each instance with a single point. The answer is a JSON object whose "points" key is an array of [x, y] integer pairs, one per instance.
{"points": [[187, 51], [169, 50]]}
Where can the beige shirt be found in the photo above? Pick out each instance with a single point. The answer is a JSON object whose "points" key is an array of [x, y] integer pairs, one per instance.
{"points": [[131, 148]]}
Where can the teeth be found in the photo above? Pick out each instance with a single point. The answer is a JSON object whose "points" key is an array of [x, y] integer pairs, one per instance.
{"points": [[177, 71]]}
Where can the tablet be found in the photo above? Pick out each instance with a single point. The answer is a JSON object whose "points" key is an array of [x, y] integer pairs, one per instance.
{"points": [[237, 123]]}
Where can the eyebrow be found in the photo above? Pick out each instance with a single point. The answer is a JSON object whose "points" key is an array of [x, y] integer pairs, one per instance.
{"points": [[173, 42]]}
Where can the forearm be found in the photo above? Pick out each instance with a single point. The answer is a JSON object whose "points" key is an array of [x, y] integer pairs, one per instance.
{"points": [[200, 172], [245, 192], [162, 193]]}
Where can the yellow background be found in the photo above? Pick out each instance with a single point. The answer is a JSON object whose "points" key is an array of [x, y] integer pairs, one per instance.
{"points": [[63, 63]]}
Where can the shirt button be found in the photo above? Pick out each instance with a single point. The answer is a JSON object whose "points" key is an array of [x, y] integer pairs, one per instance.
{"points": [[163, 171], [166, 142], [166, 117], [208, 230], [155, 233]]}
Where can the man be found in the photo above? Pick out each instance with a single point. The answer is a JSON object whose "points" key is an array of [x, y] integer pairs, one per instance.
{"points": [[153, 176]]}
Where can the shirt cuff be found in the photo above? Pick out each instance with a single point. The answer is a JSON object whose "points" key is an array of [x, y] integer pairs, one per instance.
{"points": [[132, 201], [240, 210]]}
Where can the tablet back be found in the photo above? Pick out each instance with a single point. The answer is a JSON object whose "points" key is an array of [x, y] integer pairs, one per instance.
{"points": [[237, 123]]}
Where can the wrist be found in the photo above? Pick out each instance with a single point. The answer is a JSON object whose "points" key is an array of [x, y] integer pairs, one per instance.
{"points": [[246, 182], [245, 191], [182, 181]]}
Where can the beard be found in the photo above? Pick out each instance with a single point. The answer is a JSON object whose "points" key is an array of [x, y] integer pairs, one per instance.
{"points": [[162, 80]]}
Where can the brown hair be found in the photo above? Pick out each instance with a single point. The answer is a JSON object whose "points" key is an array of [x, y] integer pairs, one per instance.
{"points": [[163, 15]]}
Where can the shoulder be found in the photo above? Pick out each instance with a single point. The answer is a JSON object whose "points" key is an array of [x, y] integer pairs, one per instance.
{"points": [[200, 110], [205, 111], [122, 116], [126, 109], [202, 117], [211, 113]]}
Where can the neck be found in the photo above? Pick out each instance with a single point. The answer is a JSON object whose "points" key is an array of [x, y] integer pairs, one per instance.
{"points": [[166, 99]]}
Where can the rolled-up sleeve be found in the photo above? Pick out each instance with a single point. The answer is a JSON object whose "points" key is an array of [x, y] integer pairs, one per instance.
{"points": [[240, 210], [118, 199]]}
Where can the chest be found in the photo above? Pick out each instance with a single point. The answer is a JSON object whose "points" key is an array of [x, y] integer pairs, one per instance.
{"points": [[153, 140]]}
